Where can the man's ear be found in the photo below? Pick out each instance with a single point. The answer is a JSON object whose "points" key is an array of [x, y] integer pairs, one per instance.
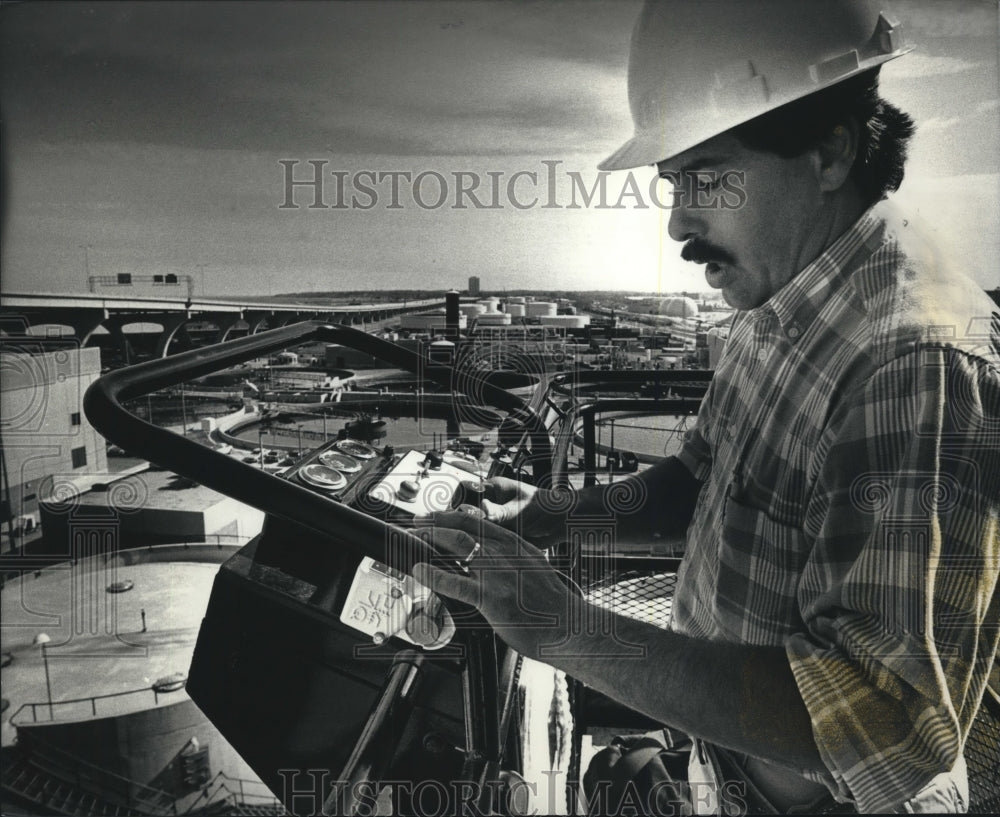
{"points": [[835, 155]]}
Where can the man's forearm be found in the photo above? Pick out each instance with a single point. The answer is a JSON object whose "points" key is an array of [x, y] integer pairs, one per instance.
{"points": [[742, 697]]}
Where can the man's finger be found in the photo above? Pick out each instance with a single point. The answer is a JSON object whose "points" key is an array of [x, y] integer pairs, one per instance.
{"points": [[503, 542], [475, 527], [447, 540], [500, 489], [453, 585], [497, 513]]}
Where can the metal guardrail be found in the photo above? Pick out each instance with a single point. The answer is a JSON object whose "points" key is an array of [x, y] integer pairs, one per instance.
{"points": [[97, 781], [207, 540], [284, 498], [81, 707]]}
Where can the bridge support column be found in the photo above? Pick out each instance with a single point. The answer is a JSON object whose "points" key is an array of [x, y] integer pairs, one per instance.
{"points": [[283, 319], [115, 325], [255, 321], [86, 323], [225, 322], [173, 326]]}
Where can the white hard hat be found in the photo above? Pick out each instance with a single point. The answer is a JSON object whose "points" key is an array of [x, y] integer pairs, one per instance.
{"points": [[700, 67]]}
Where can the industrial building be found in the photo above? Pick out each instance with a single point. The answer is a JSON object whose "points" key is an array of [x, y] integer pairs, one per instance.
{"points": [[47, 440]]}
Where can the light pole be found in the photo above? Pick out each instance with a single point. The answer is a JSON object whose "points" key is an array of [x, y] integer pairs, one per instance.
{"points": [[201, 269], [48, 683], [184, 416], [86, 266]]}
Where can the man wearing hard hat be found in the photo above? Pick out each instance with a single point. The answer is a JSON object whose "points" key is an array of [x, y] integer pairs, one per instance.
{"points": [[835, 617]]}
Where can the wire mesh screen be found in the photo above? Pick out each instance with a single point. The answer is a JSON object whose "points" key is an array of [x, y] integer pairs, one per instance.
{"points": [[647, 598], [982, 754]]}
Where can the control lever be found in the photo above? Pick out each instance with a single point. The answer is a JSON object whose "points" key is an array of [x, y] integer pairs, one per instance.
{"points": [[385, 721], [385, 603]]}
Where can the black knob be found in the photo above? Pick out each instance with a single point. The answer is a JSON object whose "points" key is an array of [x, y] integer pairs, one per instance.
{"points": [[469, 492]]}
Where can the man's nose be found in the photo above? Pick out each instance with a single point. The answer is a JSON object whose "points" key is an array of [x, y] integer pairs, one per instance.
{"points": [[683, 224]]}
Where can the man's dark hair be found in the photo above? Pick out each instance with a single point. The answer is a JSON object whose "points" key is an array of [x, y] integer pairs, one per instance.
{"points": [[884, 131]]}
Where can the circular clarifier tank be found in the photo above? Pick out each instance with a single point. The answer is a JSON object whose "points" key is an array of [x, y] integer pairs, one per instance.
{"points": [[101, 649]]}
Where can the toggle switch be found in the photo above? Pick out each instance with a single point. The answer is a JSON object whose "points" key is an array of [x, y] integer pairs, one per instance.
{"points": [[469, 492]]}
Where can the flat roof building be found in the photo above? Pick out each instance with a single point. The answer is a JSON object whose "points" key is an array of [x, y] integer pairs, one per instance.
{"points": [[45, 431]]}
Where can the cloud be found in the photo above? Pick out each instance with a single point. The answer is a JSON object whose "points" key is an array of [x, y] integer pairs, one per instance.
{"points": [[968, 231], [955, 19], [400, 78], [938, 123], [916, 65]]}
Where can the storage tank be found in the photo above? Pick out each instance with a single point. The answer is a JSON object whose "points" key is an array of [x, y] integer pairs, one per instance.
{"points": [[442, 351], [494, 319], [515, 310], [538, 309], [679, 308], [451, 311]]}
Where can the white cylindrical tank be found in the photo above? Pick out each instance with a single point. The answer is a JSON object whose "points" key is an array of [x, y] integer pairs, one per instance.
{"points": [[494, 319], [538, 309], [679, 308], [515, 310]]}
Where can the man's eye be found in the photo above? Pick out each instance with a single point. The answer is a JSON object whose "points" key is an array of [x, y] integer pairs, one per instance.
{"points": [[706, 181]]}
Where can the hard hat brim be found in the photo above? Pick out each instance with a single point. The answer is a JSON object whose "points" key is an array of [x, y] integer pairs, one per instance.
{"points": [[651, 146]]}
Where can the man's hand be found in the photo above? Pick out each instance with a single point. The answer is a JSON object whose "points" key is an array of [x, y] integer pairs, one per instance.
{"points": [[739, 696], [506, 578], [506, 499], [538, 514]]}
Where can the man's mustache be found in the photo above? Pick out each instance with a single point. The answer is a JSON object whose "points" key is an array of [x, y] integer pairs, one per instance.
{"points": [[701, 252]]}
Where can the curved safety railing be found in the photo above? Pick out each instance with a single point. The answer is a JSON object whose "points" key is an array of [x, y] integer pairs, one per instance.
{"points": [[283, 498]]}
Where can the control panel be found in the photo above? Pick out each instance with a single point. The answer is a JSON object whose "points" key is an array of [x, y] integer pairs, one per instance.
{"points": [[421, 484], [379, 600], [399, 487]]}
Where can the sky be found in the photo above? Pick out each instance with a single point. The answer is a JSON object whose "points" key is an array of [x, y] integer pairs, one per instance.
{"points": [[156, 138]]}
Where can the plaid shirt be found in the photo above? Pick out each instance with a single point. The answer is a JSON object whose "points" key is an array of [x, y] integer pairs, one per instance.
{"points": [[849, 447]]}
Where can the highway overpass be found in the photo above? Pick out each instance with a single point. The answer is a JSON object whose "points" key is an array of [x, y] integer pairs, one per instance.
{"points": [[86, 314]]}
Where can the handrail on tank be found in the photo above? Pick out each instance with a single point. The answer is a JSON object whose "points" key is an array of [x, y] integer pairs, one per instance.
{"points": [[102, 404]]}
